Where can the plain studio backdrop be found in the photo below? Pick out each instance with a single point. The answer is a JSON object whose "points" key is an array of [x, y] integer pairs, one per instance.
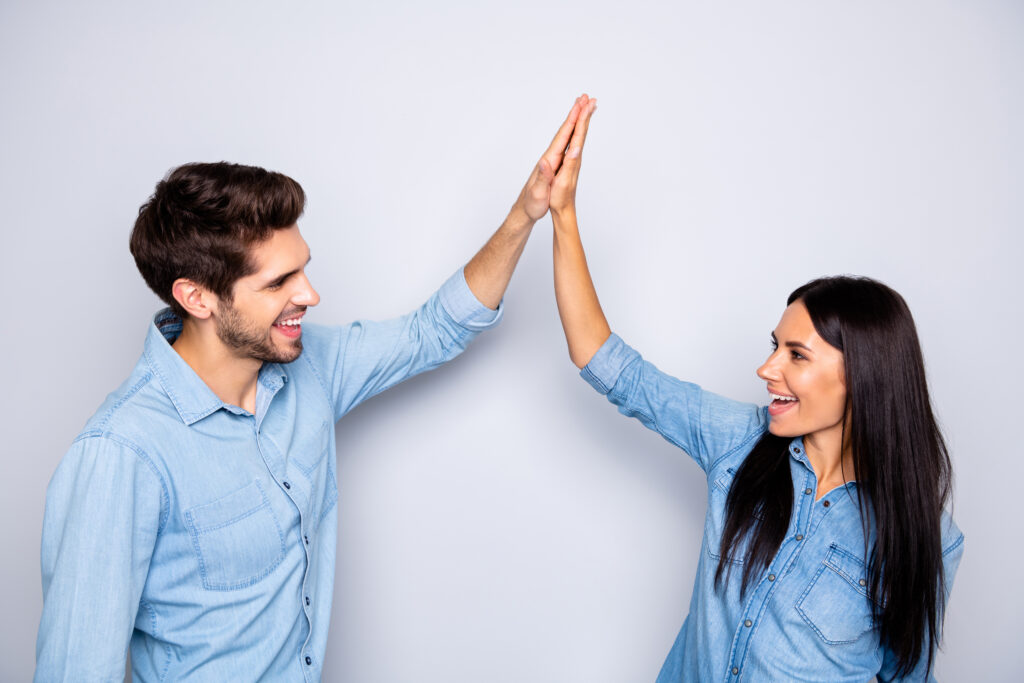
{"points": [[499, 521]]}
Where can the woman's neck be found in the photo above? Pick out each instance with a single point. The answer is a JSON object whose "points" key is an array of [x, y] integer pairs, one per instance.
{"points": [[831, 459]]}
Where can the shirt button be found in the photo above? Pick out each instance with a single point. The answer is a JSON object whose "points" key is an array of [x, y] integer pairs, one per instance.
{"points": [[306, 539], [807, 491], [735, 670], [771, 577], [799, 537], [286, 485], [308, 661], [796, 449], [307, 601], [863, 582], [748, 623]]}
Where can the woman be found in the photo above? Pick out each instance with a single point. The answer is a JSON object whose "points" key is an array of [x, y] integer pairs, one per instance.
{"points": [[827, 555]]}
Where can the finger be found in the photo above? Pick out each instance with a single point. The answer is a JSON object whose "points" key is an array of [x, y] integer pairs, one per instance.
{"points": [[554, 151], [579, 135]]}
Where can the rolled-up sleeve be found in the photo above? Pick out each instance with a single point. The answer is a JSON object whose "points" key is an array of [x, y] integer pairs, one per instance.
{"points": [[104, 508], [703, 424]]}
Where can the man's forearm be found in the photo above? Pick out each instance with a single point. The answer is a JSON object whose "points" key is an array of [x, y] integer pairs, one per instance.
{"points": [[489, 272]]}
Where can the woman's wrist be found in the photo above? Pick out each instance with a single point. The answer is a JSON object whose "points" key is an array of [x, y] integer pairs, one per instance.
{"points": [[564, 218]]}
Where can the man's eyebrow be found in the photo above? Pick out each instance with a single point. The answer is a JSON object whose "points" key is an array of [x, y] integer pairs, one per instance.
{"points": [[280, 280]]}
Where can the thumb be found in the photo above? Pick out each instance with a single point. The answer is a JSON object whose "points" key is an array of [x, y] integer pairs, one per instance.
{"points": [[545, 172]]}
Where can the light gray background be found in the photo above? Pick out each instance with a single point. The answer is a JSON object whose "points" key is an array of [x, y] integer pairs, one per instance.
{"points": [[499, 521]]}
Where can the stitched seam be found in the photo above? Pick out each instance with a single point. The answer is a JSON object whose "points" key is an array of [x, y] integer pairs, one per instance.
{"points": [[127, 395], [956, 544], [328, 508], [320, 381], [803, 614], [735, 449], [155, 369], [590, 373], [849, 578], [165, 498], [220, 525], [308, 471], [195, 533]]}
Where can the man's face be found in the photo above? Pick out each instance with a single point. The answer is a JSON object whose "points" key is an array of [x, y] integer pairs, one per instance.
{"points": [[263, 320]]}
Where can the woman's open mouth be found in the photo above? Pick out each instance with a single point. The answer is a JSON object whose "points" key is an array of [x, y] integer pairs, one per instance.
{"points": [[781, 403]]}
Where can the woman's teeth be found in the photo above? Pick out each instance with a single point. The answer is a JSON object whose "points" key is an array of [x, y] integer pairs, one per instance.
{"points": [[777, 397]]}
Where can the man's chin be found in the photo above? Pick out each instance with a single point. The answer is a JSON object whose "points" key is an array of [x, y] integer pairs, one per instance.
{"points": [[286, 353]]}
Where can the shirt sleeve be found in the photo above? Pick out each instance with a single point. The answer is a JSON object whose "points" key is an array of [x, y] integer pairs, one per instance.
{"points": [[952, 553], [364, 358], [707, 426], [104, 507]]}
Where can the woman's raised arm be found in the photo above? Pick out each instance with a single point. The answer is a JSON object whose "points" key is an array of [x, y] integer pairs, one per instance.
{"points": [[583, 321]]}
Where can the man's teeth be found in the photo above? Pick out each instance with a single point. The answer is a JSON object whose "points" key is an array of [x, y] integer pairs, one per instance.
{"points": [[776, 397], [293, 322]]}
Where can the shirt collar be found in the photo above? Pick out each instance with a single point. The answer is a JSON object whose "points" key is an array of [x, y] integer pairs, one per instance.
{"points": [[797, 452], [191, 397]]}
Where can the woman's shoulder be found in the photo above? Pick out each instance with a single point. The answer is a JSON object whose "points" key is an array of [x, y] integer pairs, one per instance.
{"points": [[952, 536]]}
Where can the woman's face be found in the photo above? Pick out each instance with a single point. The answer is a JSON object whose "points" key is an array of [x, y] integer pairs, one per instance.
{"points": [[805, 377]]}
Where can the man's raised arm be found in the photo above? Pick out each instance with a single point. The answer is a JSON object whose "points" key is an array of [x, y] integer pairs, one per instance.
{"points": [[489, 272]]}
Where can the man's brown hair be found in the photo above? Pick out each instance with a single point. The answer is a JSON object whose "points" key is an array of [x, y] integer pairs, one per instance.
{"points": [[201, 221]]}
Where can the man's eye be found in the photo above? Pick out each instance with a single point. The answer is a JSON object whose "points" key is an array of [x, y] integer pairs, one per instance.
{"points": [[274, 285]]}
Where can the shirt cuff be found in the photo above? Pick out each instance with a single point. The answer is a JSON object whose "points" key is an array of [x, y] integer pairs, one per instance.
{"points": [[463, 306], [603, 370]]}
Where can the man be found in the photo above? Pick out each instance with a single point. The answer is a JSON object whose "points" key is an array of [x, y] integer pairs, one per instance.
{"points": [[193, 519]]}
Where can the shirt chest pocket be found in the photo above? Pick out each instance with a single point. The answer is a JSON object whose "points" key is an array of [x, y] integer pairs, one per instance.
{"points": [[237, 539], [836, 604]]}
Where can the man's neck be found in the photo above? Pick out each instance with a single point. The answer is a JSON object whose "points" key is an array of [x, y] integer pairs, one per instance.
{"points": [[231, 378]]}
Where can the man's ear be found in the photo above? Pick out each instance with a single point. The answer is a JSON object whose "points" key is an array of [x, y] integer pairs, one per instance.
{"points": [[198, 302]]}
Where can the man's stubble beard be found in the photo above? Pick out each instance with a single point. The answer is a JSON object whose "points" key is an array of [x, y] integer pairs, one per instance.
{"points": [[248, 341]]}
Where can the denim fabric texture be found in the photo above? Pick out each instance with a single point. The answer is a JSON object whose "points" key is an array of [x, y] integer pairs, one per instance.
{"points": [[203, 537], [807, 617]]}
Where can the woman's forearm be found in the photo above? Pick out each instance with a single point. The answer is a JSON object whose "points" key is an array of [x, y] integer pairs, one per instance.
{"points": [[583, 321]]}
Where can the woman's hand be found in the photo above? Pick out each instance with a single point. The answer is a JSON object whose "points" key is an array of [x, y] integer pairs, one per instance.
{"points": [[535, 198], [583, 321], [563, 188]]}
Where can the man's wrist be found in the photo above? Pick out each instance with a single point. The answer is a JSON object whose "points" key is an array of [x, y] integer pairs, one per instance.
{"points": [[518, 219]]}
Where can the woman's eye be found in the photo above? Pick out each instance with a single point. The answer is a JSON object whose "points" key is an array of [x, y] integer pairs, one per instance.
{"points": [[796, 355]]}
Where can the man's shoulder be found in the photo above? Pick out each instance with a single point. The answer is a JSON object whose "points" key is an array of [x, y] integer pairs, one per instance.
{"points": [[139, 401]]}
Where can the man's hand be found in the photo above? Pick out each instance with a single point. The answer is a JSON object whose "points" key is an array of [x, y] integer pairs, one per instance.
{"points": [[536, 194], [488, 273], [562, 197]]}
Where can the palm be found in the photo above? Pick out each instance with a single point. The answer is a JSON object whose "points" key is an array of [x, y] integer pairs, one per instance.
{"points": [[547, 189]]}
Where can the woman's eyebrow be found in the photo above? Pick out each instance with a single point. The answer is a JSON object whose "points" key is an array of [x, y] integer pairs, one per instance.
{"points": [[798, 345], [792, 344]]}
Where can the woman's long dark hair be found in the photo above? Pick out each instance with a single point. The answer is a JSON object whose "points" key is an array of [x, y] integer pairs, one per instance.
{"points": [[899, 457]]}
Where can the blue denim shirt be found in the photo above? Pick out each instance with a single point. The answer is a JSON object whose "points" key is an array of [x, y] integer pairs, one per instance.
{"points": [[204, 535], [807, 616]]}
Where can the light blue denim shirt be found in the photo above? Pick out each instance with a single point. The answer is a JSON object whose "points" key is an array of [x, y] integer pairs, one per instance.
{"points": [[807, 616], [203, 535]]}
